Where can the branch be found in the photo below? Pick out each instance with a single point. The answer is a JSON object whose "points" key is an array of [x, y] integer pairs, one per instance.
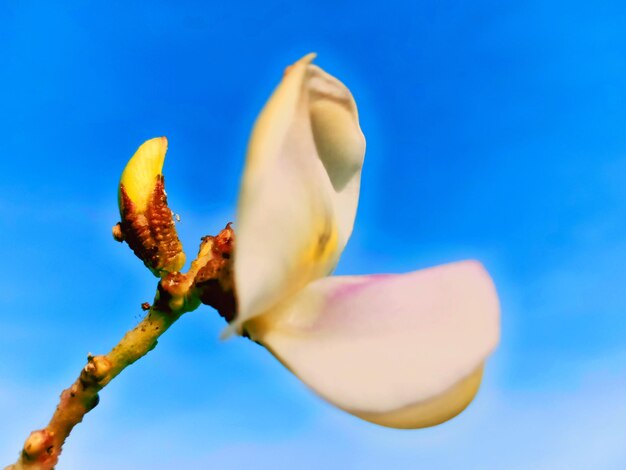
{"points": [[208, 281]]}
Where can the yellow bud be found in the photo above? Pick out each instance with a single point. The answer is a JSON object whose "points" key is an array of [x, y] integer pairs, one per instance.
{"points": [[147, 224], [140, 175]]}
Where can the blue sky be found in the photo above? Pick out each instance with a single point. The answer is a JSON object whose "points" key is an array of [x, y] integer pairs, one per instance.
{"points": [[495, 130]]}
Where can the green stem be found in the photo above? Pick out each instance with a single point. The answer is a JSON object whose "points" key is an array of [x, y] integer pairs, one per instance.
{"points": [[209, 280], [42, 448]]}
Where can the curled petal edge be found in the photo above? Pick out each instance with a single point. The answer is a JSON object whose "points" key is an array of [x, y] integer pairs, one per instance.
{"points": [[300, 189], [402, 351]]}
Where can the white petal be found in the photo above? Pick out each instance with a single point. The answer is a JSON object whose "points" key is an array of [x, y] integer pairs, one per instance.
{"points": [[300, 189], [399, 350]]}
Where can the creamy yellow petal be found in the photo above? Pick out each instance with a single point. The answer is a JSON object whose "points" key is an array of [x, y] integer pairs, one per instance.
{"points": [[432, 412], [403, 351], [299, 191]]}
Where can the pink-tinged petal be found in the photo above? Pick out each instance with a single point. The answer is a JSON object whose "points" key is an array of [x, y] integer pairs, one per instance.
{"points": [[403, 351], [300, 189]]}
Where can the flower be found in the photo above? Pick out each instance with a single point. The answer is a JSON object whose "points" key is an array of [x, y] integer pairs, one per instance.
{"points": [[403, 351]]}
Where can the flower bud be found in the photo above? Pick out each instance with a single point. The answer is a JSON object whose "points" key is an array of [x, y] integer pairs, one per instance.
{"points": [[213, 281], [147, 222], [38, 445]]}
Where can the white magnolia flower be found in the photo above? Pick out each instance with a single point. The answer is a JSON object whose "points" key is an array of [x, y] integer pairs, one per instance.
{"points": [[404, 351]]}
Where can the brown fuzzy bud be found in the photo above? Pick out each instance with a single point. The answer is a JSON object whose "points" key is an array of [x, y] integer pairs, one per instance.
{"points": [[118, 236], [147, 222], [38, 445], [214, 283], [96, 369]]}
